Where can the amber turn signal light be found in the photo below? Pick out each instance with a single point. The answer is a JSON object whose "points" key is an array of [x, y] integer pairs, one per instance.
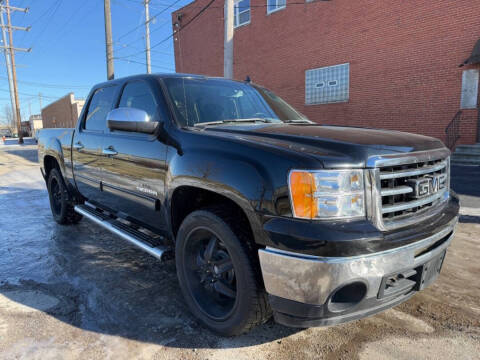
{"points": [[302, 189]]}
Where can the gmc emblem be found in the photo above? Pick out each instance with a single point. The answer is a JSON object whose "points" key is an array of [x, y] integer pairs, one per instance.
{"points": [[427, 185]]}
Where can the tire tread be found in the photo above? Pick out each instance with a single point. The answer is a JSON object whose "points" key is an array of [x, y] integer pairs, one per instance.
{"points": [[70, 216], [262, 311]]}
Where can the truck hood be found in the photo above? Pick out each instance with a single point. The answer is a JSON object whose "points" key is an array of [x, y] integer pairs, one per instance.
{"points": [[334, 146]]}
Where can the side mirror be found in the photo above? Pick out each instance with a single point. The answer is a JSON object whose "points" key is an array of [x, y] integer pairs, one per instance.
{"points": [[131, 119]]}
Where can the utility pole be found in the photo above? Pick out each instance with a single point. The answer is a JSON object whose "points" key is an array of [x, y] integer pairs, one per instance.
{"points": [[147, 36], [14, 71], [228, 40], [40, 101], [7, 62], [108, 39]]}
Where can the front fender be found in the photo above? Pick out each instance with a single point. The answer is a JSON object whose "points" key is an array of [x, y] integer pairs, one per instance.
{"points": [[242, 180]]}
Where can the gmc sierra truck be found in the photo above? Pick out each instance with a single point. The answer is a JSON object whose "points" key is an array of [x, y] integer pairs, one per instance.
{"points": [[264, 211]]}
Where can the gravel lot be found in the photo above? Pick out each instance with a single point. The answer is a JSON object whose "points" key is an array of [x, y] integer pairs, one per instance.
{"points": [[79, 292]]}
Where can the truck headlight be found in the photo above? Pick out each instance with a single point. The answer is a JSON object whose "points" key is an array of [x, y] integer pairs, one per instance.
{"points": [[327, 194]]}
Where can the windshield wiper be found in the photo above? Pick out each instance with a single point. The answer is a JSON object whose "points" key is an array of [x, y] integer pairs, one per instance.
{"points": [[209, 123], [233, 121], [299, 121]]}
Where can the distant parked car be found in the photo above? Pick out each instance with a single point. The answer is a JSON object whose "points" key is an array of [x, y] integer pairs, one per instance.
{"points": [[5, 132]]}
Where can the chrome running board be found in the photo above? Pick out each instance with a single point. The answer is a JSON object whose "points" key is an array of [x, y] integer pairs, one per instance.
{"points": [[135, 237]]}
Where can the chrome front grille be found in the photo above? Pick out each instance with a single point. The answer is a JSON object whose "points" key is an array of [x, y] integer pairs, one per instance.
{"points": [[398, 194], [407, 189]]}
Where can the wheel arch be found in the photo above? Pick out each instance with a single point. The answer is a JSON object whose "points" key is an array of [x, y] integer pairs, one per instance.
{"points": [[52, 157], [49, 163], [187, 198]]}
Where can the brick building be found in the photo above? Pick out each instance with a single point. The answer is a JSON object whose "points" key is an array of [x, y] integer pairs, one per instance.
{"points": [[388, 64], [62, 113]]}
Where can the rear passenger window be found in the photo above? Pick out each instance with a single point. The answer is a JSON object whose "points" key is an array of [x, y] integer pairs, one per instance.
{"points": [[138, 95], [99, 107]]}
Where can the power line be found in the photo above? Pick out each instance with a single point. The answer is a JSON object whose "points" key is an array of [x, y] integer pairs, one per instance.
{"points": [[191, 6], [174, 32], [129, 45], [32, 95], [143, 63], [186, 24], [54, 8], [204, 8], [75, 13], [53, 86], [151, 18], [137, 55], [139, 25], [138, 39]]}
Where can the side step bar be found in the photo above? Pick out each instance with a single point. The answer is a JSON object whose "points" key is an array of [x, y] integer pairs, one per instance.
{"points": [[133, 236]]}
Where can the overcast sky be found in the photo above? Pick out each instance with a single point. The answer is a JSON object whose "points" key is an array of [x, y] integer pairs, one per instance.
{"points": [[68, 46]]}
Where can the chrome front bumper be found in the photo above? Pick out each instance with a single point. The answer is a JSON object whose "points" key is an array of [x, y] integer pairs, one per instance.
{"points": [[312, 280]]}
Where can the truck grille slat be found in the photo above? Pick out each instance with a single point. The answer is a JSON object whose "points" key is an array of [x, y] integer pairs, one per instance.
{"points": [[397, 191], [388, 174], [412, 204]]}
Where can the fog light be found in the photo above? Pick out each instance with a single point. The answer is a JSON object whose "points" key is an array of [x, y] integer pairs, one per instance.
{"points": [[347, 297]]}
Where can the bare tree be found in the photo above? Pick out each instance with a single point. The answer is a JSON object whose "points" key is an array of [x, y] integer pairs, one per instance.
{"points": [[10, 119]]}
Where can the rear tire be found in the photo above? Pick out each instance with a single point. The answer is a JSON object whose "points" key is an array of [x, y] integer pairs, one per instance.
{"points": [[216, 274], [60, 204]]}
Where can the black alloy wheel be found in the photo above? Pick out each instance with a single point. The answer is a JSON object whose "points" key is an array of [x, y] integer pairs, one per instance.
{"points": [[60, 204], [210, 272], [56, 196], [217, 275]]}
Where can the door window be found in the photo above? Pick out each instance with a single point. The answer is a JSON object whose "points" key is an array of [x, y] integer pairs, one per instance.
{"points": [[100, 105], [138, 95]]}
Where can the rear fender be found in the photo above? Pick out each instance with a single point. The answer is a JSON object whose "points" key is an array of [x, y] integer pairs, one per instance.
{"points": [[53, 148]]}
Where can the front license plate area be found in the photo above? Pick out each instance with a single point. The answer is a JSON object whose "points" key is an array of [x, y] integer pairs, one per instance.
{"points": [[430, 270]]}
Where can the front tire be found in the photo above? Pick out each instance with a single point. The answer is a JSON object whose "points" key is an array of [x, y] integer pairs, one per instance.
{"points": [[62, 208], [216, 274]]}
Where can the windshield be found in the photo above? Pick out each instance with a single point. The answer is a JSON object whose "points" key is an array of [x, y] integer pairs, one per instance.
{"points": [[198, 101]]}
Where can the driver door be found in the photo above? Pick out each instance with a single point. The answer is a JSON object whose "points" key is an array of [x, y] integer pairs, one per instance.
{"points": [[87, 158]]}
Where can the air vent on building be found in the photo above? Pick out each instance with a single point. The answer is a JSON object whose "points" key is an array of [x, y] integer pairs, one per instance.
{"points": [[327, 84]]}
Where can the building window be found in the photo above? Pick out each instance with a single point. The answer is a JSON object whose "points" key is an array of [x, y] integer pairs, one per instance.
{"points": [[327, 85], [275, 5], [241, 12]]}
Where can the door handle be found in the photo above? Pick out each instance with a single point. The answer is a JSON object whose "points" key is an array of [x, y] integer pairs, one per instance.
{"points": [[78, 146], [109, 151]]}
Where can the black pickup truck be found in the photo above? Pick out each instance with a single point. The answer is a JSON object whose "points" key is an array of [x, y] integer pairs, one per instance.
{"points": [[264, 211]]}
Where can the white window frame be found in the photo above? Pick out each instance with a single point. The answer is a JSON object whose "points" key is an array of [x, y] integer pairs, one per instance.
{"points": [[236, 14], [277, 8]]}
